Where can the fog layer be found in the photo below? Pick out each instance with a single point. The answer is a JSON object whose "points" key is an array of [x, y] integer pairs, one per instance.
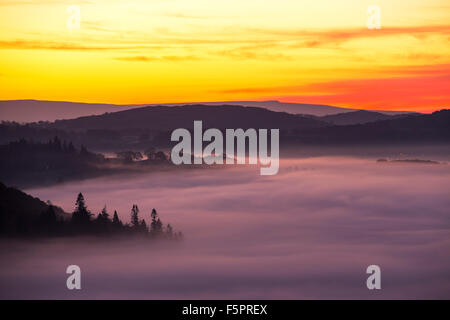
{"points": [[308, 232]]}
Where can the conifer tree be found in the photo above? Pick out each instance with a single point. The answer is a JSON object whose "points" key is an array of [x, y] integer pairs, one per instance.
{"points": [[116, 222], [105, 214], [156, 225], [135, 216], [143, 226], [81, 215]]}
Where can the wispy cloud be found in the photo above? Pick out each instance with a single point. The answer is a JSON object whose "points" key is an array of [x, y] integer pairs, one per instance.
{"points": [[187, 16], [243, 43], [41, 2], [430, 93], [425, 86], [159, 58], [55, 45], [316, 38]]}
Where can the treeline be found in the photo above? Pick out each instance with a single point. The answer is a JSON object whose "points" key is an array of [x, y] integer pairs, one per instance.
{"points": [[19, 217], [93, 138], [24, 151], [27, 163], [84, 222]]}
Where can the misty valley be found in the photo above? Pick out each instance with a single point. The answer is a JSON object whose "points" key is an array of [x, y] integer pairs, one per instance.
{"points": [[224, 159], [345, 196]]}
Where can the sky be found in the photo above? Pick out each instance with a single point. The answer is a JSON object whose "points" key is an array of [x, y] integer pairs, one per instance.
{"points": [[167, 51]]}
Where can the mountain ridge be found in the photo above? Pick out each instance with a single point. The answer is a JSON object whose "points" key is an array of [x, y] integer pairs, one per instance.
{"points": [[26, 111], [360, 117]]}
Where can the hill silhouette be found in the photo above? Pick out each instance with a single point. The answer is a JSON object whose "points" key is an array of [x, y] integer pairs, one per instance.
{"points": [[22, 215], [26, 111], [35, 110], [27, 163], [170, 118], [294, 128], [20, 211], [151, 127], [359, 117], [414, 129]]}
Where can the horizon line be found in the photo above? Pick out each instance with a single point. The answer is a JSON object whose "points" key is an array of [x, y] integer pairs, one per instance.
{"points": [[231, 101]]}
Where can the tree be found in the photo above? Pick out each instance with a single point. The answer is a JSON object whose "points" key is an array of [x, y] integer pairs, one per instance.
{"points": [[81, 215], [150, 153], [159, 227], [156, 225], [143, 226], [154, 214], [80, 204], [160, 156], [116, 222], [135, 216], [129, 156], [99, 219], [105, 214]]}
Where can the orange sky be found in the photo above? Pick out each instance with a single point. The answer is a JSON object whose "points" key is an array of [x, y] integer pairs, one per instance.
{"points": [[156, 51]]}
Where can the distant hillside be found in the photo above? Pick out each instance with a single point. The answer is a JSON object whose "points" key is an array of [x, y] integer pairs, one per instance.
{"points": [[170, 118], [277, 106], [19, 210], [23, 162], [27, 163], [416, 129], [151, 127], [318, 110], [147, 127], [22, 215], [14, 201], [35, 111], [359, 117], [25, 111]]}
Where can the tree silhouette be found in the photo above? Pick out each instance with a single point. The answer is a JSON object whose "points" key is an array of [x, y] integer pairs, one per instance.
{"points": [[116, 221], [135, 216], [143, 227], [156, 225], [105, 214], [23, 215], [129, 156], [150, 153], [80, 204], [81, 215], [160, 156], [99, 219]]}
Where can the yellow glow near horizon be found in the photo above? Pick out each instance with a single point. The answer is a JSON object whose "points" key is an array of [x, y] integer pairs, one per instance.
{"points": [[130, 52]]}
